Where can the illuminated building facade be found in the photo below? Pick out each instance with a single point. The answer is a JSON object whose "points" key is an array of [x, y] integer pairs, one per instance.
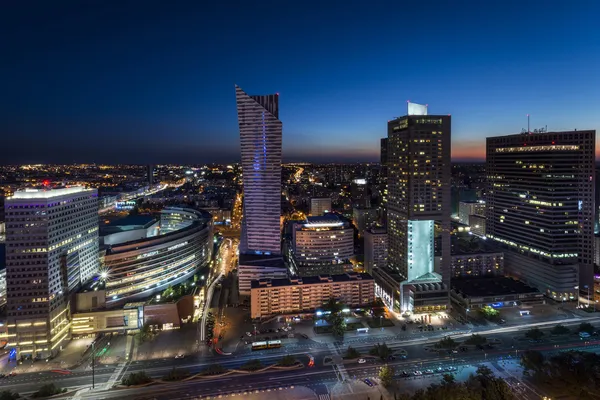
{"points": [[272, 297], [138, 269], [322, 245], [320, 205], [260, 140], [540, 208], [51, 249], [468, 208], [376, 249], [418, 200]]}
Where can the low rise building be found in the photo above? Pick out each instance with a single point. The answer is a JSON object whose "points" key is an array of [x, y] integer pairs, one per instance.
{"points": [[305, 295], [477, 224], [255, 267]]}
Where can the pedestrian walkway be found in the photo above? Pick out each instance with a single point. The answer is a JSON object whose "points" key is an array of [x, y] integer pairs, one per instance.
{"points": [[338, 363]]}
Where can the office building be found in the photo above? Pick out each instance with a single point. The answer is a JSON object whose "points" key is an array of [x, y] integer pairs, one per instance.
{"points": [[51, 249], [322, 245], [297, 296], [360, 193], [376, 249], [150, 175], [468, 208], [260, 140], [364, 218], [320, 205], [383, 159], [540, 208], [477, 225], [418, 200]]}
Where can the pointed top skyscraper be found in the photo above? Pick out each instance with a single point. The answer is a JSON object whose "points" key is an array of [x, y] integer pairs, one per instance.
{"points": [[260, 140]]}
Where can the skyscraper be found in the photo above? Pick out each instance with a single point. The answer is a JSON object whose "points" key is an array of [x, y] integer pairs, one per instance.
{"points": [[418, 200], [540, 207], [383, 159], [260, 139], [51, 248]]}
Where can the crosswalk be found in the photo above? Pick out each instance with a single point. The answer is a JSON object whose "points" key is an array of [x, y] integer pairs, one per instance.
{"points": [[324, 397]]}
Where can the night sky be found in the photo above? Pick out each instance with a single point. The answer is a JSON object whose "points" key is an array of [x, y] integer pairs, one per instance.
{"points": [[153, 81]]}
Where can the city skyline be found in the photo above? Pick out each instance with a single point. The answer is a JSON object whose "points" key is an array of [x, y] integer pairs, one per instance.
{"points": [[156, 88]]}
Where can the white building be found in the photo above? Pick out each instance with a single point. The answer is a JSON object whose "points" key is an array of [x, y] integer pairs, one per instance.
{"points": [[376, 249], [260, 140], [320, 205], [51, 248], [468, 208]]}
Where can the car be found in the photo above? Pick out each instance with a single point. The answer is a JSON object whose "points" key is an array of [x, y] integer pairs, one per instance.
{"points": [[180, 356], [428, 371], [454, 351], [368, 382], [501, 322], [404, 374], [391, 358], [12, 373], [362, 361], [417, 373], [2, 376], [249, 334], [439, 369]]}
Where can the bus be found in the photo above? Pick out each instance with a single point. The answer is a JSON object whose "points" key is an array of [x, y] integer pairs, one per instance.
{"points": [[274, 344], [259, 346]]}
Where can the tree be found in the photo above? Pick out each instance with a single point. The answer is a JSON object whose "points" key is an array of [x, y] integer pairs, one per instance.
{"points": [[560, 330], [386, 375], [338, 324], [532, 360], [47, 390], [9, 395], [476, 340], [252, 365], [446, 343], [586, 327], [176, 375], [489, 313], [381, 350], [137, 378], [352, 353], [534, 334], [332, 306], [214, 369], [287, 361]]}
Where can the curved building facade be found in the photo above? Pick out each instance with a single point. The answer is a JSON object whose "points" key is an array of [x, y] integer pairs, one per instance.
{"points": [[141, 268]]}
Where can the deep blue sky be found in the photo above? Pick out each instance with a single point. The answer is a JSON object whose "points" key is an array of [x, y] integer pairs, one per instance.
{"points": [[153, 81]]}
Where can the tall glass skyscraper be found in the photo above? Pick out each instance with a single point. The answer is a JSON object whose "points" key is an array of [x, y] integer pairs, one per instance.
{"points": [[540, 207], [419, 171], [260, 139]]}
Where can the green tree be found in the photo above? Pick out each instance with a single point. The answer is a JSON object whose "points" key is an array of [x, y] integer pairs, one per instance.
{"points": [[489, 313], [532, 360], [586, 327], [176, 374], [9, 395], [338, 324], [560, 330], [446, 343], [47, 390], [476, 340], [352, 353], [534, 334], [213, 369], [137, 378], [381, 350], [287, 361], [252, 365], [386, 375]]}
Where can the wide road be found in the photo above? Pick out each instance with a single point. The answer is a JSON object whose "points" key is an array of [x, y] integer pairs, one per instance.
{"points": [[511, 343]]}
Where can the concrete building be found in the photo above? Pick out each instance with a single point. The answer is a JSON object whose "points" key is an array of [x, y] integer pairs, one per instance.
{"points": [[364, 218], [476, 264], [418, 199], [256, 267], [360, 193], [320, 205], [383, 159], [272, 297], [322, 245], [540, 208], [51, 249], [477, 225], [468, 208], [376, 249], [260, 140]]}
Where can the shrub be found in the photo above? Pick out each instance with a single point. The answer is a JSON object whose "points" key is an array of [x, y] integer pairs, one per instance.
{"points": [[137, 378], [48, 390]]}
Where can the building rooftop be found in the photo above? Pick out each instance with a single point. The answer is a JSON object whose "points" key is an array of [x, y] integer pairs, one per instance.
{"points": [[329, 220], [47, 193], [311, 280], [497, 286], [260, 260], [133, 222]]}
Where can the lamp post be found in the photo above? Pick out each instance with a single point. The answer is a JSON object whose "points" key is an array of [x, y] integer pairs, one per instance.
{"points": [[93, 364], [380, 320], [577, 287]]}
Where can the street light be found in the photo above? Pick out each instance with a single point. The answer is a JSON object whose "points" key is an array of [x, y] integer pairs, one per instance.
{"points": [[93, 363]]}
